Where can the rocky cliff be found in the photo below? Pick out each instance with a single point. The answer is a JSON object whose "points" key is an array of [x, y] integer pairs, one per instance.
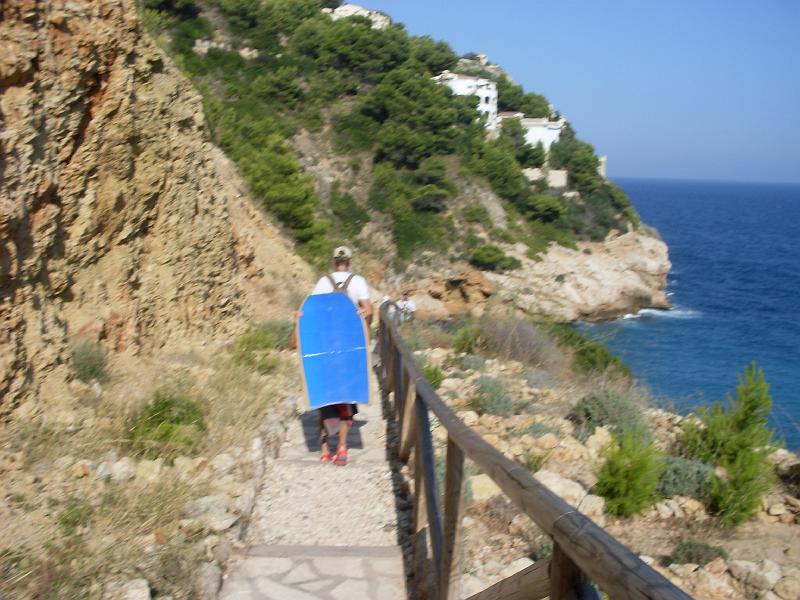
{"points": [[119, 220], [595, 281]]}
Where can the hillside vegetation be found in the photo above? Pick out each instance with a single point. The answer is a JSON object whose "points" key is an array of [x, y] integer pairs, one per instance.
{"points": [[370, 92]]}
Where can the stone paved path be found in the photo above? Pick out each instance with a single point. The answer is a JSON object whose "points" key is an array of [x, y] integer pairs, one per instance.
{"points": [[323, 532]]}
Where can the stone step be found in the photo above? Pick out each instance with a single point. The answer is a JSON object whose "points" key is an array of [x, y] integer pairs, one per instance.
{"points": [[293, 572]]}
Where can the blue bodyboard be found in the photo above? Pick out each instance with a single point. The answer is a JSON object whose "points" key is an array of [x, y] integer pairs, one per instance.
{"points": [[334, 351]]}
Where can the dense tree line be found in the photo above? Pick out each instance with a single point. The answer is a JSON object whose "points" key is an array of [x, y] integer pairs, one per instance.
{"points": [[309, 64]]}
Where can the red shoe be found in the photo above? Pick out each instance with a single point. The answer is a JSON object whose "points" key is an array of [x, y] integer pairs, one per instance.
{"points": [[341, 457], [326, 457]]}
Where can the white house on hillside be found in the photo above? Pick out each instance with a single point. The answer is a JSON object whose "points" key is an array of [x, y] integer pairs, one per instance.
{"points": [[468, 85], [379, 20], [537, 129]]}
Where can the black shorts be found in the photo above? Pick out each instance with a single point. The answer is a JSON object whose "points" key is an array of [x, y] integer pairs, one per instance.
{"points": [[338, 411]]}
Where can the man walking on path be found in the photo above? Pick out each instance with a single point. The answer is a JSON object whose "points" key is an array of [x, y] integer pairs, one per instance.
{"points": [[340, 280]]}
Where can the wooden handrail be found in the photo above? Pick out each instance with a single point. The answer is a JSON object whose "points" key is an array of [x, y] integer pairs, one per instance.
{"points": [[581, 549]]}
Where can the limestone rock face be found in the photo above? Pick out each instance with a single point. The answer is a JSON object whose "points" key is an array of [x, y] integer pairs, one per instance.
{"points": [[599, 280], [119, 220]]}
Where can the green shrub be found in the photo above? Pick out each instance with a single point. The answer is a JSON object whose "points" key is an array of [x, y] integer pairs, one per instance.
{"points": [[695, 552], [605, 408], [350, 216], [76, 514], [537, 430], [434, 375], [502, 235], [491, 258], [738, 440], [89, 361], [520, 340], [589, 355], [685, 477], [477, 213], [468, 339], [490, 397], [736, 496], [471, 362], [629, 478], [254, 348], [170, 425], [533, 461]]}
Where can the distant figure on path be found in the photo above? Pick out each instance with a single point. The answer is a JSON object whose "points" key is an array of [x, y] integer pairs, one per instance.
{"points": [[340, 280], [407, 308]]}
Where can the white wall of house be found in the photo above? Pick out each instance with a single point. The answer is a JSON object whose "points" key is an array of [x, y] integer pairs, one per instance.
{"points": [[537, 130], [467, 85], [601, 168]]}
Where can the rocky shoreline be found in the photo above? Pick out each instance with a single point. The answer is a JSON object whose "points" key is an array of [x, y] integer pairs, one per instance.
{"points": [[595, 281]]}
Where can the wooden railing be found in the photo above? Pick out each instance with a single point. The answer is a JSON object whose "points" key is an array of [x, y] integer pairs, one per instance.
{"points": [[584, 555]]}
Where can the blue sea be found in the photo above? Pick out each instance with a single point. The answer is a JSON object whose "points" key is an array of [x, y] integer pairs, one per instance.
{"points": [[735, 285]]}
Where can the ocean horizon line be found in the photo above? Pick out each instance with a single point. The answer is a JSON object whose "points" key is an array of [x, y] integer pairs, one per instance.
{"points": [[699, 180]]}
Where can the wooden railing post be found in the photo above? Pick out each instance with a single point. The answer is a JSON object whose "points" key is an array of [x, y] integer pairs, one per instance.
{"points": [[407, 422], [450, 580], [420, 519], [567, 581]]}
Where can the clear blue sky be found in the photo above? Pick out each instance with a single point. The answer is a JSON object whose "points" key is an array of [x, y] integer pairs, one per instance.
{"points": [[695, 89]]}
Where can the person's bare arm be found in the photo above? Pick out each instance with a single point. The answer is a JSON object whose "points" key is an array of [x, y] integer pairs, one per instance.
{"points": [[293, 339], [365, 310]]}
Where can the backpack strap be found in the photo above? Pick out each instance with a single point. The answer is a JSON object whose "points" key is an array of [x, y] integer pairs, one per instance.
{"points": [[340, 287], [347, 281]]}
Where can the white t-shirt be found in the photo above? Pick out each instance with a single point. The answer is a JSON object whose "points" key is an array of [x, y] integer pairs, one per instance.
{"points": [[356, 290], [408, 306]]}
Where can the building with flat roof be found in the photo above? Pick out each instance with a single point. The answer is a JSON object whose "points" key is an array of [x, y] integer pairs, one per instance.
{"points": [[469, 85], [537, 130]]}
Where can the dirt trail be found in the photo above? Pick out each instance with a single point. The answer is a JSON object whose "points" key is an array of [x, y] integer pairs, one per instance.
{"points": [[321, 531]]}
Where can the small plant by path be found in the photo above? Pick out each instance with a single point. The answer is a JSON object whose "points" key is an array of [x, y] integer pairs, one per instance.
{"points": [[490, 397], [629, 478], [170, 425], [695, 552], [605, 408]]}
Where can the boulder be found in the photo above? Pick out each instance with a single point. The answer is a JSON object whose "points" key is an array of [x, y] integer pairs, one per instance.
{"points": [[123, 470], [718, 566], [222, 464], [788, 588], [571, 491], [483, 488], [777, 509], [708, 585], [598, 441], [593, 507], [765, 576], [212, 512], [148, 471], [81, 469], [741, 569], [683, 571], [135, 589], [207, 582]]}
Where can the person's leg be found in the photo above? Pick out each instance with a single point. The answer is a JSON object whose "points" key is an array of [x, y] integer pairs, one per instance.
{"points": [[327, 423], [346, 412], [344, 429]]}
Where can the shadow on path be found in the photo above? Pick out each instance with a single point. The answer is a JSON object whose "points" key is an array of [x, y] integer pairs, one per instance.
{"points": [[309, 421]]}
